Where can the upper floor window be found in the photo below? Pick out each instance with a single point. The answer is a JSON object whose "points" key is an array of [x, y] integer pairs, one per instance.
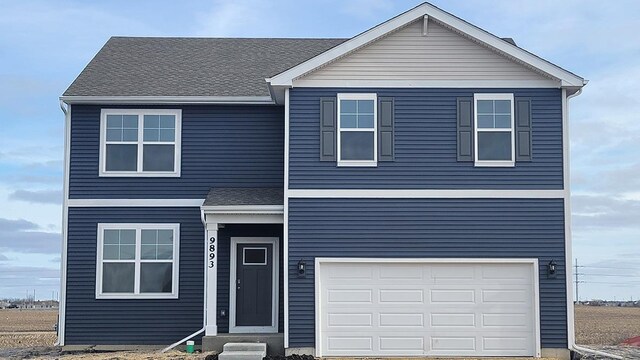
{"points": [[140, 142], [494, 135], [357, 130], [137, 260]]}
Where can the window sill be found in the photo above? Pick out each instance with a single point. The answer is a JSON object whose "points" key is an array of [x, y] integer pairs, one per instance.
{"points": [[138, 174], [357, 163], [494, 164], [136, 296]]}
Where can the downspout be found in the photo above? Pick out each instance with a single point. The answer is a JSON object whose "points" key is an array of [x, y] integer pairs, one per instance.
{"points": [[573, 346], [204, 309], [62, 301], [595, 352]]}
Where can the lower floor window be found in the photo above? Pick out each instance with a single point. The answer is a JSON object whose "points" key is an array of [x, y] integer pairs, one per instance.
{"points": [[137, 260]]}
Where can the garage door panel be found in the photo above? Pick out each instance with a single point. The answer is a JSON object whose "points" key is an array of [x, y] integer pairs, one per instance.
{"points": [[449, 296], [419, 309], [449, 319], [395, 319], [401, 296], [344, 296], [350, 320], [400, 272]]}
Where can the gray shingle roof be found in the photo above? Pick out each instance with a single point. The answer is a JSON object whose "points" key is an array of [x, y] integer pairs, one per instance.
{"points": [[244, 196], [143, 66]]}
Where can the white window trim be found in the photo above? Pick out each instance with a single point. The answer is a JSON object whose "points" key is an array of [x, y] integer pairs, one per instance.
{"points": [[140, 113], [138, 228], [493, 163], [359, 96]]}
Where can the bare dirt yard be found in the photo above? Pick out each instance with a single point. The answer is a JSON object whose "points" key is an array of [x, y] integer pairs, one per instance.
{"points": [[603, 325], [28, 334], [20, 328]]}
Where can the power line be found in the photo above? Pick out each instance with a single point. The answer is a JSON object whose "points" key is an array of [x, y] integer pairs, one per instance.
{"points": [[608, 267]]}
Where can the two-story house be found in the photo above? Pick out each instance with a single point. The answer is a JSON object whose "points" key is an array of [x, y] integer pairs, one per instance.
{"points": [[404, 192]]}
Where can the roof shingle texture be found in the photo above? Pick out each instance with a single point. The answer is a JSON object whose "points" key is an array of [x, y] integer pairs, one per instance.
{"points": [[143, 66], [244, 196]]}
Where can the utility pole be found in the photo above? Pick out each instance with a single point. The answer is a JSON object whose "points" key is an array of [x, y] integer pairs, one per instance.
{"points": [[577, 282]]}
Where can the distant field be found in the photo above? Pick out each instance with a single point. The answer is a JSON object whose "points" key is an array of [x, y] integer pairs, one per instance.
{"points": [[21, 328], [602, 325]]}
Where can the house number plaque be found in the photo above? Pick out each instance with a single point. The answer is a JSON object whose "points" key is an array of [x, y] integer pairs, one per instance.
{"points": [[212, 249]]}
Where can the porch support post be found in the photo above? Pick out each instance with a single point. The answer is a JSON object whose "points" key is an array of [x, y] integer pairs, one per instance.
{"points": [[211, 328]]}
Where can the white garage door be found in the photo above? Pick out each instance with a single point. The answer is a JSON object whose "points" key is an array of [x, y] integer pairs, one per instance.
{"points": [[395, 309]]}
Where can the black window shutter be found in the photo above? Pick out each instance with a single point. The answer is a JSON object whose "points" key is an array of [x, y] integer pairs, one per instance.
{"points": [[523, 129], [328, 123], [385, 128], [465, 128]]}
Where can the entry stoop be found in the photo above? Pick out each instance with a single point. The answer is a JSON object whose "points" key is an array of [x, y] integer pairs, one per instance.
{"points": [[274, 342], [243, 351]]}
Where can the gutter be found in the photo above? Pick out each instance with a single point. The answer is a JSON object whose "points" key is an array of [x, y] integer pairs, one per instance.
{"points": [[149, 100]]}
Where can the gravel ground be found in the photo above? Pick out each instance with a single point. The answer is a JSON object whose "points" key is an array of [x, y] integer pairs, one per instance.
{"points": [[627, 352], [604, 325]]}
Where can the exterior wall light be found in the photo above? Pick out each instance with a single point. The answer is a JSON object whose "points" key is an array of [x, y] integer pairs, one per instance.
{"points": [[302, 268]]}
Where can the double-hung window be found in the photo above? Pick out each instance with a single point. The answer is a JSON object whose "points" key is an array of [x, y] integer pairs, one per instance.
{"points": [[494, 135], [357, 130], [140, 142], [137, 261]]}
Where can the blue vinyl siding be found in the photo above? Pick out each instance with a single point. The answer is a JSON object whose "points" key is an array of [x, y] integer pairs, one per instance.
{"points": [[425, 144], [224, 253], [223, 145], [137, 321], [440, 228]]}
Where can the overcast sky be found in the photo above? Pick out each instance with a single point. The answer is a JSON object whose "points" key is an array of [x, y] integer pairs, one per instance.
{"points": [[44, 45]]}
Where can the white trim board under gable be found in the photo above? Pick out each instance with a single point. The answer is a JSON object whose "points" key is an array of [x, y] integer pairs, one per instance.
{"points": [[566, 78]]}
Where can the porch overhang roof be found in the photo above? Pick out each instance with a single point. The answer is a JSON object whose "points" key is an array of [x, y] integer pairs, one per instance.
{"points": [[244, 201]]}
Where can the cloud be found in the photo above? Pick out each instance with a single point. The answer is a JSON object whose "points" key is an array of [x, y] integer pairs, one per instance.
{"points": [[38, 196], [237, 18], [23, 236], [3, 257], [605, 211]]}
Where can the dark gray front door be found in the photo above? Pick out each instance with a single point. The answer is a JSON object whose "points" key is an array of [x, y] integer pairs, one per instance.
{"points": [[254, 284]]}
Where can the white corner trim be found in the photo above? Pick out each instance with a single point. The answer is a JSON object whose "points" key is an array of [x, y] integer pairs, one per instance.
{"points": [[150, 100], [135, 202], [275, 269], [285, 219], [65, 222], [567, 78], [138, 227], [423, 193], [325, 260]]}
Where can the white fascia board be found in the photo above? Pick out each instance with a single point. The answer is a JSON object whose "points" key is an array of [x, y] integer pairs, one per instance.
{"points": [[244, 209], [567, 79], [135, 100]]}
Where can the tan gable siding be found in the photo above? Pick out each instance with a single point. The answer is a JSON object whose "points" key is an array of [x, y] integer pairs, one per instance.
{"points": [[408, 55]]}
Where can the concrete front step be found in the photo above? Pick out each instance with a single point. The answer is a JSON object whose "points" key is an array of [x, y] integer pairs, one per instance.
{"points": [[242, 355], [243, 351], [245, 346]]}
